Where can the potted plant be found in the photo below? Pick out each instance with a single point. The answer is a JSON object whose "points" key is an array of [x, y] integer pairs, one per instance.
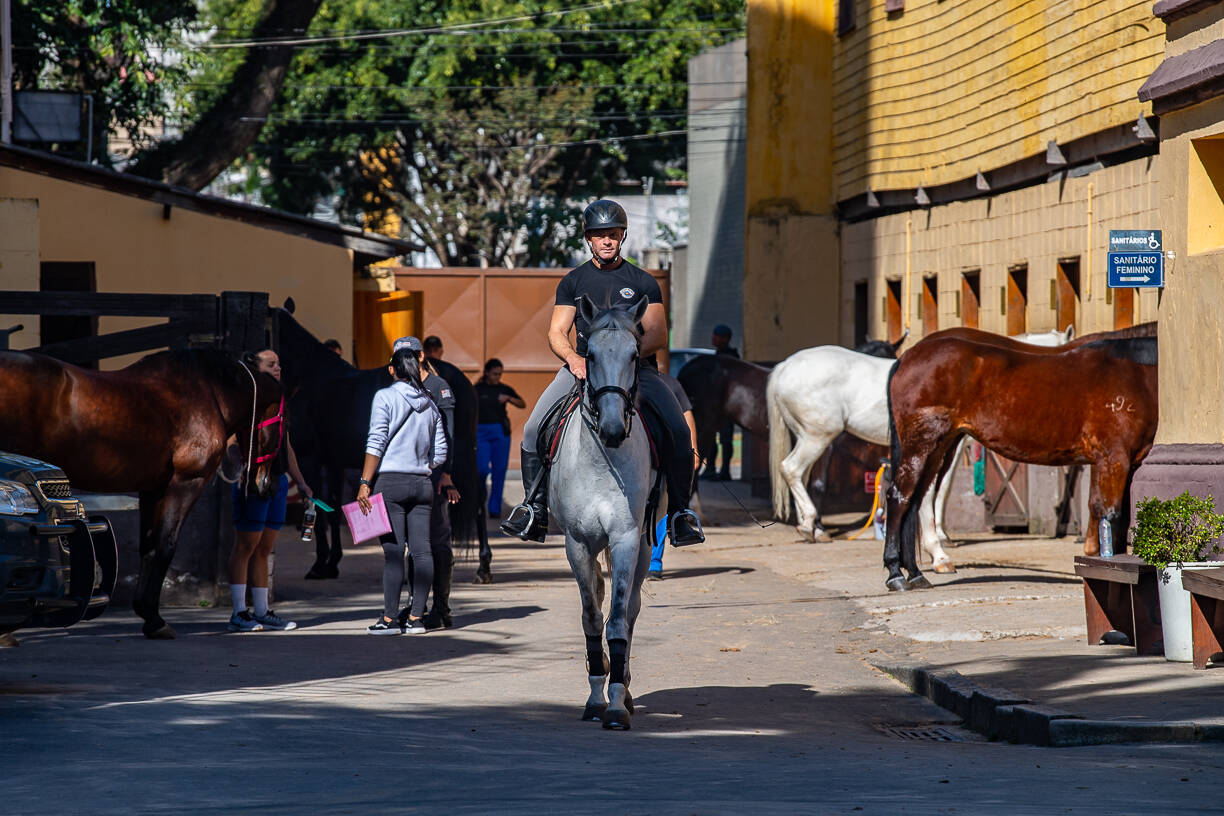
{"points": [[1173, 535]]}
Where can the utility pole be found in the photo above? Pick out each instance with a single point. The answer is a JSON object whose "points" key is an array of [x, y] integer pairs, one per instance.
{"points": [[6, 72]]}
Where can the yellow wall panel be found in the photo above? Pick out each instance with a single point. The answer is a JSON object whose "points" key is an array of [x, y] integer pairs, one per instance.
{"points": [[947, 89]]}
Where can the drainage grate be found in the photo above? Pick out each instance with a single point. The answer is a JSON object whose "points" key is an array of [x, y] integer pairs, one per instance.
{"points": [[920, 733]]}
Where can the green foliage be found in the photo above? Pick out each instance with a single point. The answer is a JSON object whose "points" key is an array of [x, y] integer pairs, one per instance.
{"points": [[120, 52], [468, 134], [1175, 531]]}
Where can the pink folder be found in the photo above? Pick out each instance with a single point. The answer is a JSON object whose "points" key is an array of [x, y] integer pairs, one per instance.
{"points": [[365, 527]]}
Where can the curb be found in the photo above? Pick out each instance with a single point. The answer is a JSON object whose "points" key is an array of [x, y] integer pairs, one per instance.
{"points": [[999, 714]]}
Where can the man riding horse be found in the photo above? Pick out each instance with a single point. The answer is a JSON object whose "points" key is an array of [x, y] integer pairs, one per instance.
{"points": [[607, 280]]}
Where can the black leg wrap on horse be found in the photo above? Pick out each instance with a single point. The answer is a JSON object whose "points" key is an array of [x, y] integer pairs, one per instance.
{"points": [[529, 520], [618, 653], [597, 663]]}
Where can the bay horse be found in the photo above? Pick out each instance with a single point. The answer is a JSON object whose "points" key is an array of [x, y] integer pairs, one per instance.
{"points": [[1092, 402], [329, 403], [601, 480], [157, 428]]}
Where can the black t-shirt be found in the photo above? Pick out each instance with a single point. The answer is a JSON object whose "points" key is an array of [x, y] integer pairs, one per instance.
{"points": [[621, 286], [489, 409]]}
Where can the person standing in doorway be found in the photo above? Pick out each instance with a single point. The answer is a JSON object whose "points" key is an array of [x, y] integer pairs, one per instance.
{"points": [[721, 341], [493, 430], [257, 522]]}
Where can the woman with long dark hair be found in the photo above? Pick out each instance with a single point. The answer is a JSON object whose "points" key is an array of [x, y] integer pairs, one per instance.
{"points": [[493, 430], [406, 442]]}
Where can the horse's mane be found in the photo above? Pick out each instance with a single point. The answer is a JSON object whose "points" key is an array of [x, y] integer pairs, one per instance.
{"points": [[212, 363], [1142, 330]]}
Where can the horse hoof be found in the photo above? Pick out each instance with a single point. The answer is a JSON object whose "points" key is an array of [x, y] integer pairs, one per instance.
{"points": [[316, 573], [616, 719], [654, 575], [593, 712], [163, 632], [805, 533], [483, 576], [946, 568], [919, 582], [821, 536], [629, 703], [897, 584]]}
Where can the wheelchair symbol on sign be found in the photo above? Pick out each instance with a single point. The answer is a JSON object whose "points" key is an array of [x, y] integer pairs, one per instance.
{"points": [[1153, 241]]}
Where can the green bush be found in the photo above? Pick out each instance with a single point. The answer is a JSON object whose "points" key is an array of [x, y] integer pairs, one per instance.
{"points": [[1175, 531]]}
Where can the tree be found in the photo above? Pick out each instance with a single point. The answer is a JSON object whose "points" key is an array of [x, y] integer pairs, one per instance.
{"points": [[236, 116], [475, 125], [113, 51]]}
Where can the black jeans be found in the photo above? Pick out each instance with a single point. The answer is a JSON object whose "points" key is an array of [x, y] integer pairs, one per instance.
{"points": [[409, 499]]}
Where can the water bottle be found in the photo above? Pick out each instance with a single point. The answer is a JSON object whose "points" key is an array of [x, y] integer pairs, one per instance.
{"points": [[1105, 538], [308, 521]]}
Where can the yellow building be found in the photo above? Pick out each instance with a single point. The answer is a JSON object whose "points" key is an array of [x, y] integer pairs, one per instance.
{"points": [[102, 231], [920, 165]]}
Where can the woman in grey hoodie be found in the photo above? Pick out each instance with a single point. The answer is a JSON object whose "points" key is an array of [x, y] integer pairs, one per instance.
{"points": [[406, 441]]}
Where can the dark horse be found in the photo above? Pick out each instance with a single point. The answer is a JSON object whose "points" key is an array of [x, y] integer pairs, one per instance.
{"points": [[1090, 402], [724, 388], [330, 411], [157, 427]]}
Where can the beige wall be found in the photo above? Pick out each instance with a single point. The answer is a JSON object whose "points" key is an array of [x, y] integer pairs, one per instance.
{"points": [[136, 250], [19, 262], [1035, 226], [790, 275], [943, 90], [1191, 366]]}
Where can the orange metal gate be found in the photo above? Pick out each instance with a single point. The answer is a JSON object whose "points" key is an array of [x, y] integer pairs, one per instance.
{"points": [[503, 313]]}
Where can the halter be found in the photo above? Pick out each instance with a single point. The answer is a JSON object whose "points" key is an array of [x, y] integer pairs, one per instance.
{"points": [[279, 422], [279, 419]]}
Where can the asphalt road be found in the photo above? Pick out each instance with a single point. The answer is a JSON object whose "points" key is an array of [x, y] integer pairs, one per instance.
{"points": [[754, 688]]}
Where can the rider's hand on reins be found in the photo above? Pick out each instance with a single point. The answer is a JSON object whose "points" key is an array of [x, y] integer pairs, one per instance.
{"points": [[363, 499], [577, 366]]}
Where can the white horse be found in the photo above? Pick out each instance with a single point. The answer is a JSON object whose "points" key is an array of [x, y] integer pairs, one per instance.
{"points": [[817, 393], [601, 480]]}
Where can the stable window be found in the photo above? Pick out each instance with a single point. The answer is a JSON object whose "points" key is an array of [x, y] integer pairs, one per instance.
{"points": [[970, 299], [1014, 298], [1064, 293], [928, 308], [892, 310], [845, 17], [860, 313]]}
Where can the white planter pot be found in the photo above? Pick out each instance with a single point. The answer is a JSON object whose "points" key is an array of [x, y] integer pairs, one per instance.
{"points": [[1175, 611]]}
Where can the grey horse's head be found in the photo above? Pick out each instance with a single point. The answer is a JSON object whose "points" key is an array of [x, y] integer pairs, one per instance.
{"points": [[614, 339]]}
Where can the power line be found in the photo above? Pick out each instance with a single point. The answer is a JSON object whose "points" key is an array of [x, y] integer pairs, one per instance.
{"points": [[583, 86], [405, 32]]}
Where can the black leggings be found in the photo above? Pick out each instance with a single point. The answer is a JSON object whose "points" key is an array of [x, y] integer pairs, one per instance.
{"points": [[408, 498]]}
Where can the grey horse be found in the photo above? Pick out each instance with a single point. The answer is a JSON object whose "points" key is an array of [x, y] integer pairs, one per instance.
{"points": [[600, 484]]}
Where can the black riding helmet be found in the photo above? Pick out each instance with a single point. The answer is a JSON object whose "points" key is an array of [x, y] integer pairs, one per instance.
{"points": [[604, 214]]}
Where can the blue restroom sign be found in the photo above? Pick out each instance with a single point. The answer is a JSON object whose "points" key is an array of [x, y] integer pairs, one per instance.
{"points": [[1136, 258]]}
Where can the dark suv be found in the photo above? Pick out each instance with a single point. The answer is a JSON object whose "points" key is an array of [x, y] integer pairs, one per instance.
{"points": [[57, 565]]}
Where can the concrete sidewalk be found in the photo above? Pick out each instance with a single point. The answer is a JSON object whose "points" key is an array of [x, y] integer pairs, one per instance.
{"points": [[1008, 626]]}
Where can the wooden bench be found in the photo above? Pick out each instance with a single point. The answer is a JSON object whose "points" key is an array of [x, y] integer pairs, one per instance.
{"points": [[1206, 588], [1120, 595]]}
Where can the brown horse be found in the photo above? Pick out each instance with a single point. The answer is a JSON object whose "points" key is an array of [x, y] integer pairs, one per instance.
{"points": [[157, 427], [1092, 401]]}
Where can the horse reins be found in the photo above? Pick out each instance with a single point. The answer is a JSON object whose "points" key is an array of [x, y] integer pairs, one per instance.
{"points": [[278, 420]]}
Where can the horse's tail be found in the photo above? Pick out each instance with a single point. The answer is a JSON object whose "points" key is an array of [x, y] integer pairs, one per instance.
{"points": [[894, 441], [779, 447]]}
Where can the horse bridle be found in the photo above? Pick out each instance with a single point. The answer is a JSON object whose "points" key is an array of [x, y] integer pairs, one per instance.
{"points": [[629, 397]]}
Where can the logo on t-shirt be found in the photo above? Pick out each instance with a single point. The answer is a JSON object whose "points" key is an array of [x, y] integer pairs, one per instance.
{"points": [[626, 293], [446, 393]]}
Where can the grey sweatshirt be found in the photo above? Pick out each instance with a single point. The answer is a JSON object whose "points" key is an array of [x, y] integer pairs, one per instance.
{"points": [[406, 431]]}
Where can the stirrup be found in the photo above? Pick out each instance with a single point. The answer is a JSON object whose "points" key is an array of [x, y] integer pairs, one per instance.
{"points": [[697, 535], [514, 525]]}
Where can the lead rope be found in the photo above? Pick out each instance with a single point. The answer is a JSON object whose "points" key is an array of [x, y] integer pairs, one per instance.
{"points": [[246, 469], [747, 512]]}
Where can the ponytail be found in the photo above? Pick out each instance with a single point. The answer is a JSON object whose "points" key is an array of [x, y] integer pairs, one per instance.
{"points": [[407, 367]]}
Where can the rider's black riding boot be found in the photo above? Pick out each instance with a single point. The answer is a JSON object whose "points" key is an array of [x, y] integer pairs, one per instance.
{"points": [[684, 525], [529, 520]]}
